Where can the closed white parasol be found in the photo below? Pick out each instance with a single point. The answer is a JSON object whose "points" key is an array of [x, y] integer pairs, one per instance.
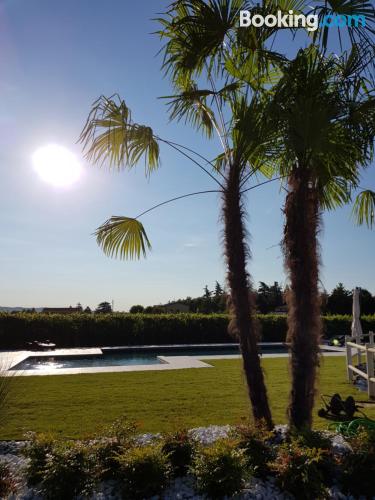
{"points": [[356, 322]]}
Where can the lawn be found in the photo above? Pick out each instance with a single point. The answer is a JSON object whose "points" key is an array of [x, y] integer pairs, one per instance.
{"points": [[79, 405]]}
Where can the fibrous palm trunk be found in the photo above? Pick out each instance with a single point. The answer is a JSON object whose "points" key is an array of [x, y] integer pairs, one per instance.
{"points": [[302, 216], [243, 322]]}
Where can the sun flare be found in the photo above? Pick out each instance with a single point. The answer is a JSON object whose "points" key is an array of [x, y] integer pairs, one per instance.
{"points": [[56, 165]]}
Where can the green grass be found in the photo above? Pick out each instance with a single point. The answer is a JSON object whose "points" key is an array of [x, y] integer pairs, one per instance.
{"points": [[79, 405]]}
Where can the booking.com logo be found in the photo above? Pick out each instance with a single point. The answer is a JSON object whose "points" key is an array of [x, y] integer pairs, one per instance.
{"points": [[292, 20]]}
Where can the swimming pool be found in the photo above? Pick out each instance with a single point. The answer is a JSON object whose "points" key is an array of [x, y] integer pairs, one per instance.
{"points": [[126, 356], [133, 356], [58, 362]]}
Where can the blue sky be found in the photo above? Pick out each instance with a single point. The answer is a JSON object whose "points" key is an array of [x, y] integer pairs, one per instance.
{"points": [[56, 58]]}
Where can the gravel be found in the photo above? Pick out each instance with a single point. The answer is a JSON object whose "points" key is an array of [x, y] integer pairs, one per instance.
{"points": [[179, 488]]}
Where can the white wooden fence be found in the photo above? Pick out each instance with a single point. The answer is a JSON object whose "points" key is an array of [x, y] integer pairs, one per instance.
{"points": [[353, 367]]}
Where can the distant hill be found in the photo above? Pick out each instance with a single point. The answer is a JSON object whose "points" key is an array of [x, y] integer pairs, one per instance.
{"points": [[18, 309]]}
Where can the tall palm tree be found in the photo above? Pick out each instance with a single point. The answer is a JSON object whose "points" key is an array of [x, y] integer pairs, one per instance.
{"points": [[198, 34], [326, 127], [202, 39], [111, 136], [204, 43]]}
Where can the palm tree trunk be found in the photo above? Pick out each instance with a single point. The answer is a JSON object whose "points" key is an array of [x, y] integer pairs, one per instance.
{"points": [[302, 264], [243, 322]]}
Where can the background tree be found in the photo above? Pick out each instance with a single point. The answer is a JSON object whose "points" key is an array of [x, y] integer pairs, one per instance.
{"points": [[340, 300], [268, 298], [104, 308], [136, 309], [367, 302], [219, 298], [206, 305]]}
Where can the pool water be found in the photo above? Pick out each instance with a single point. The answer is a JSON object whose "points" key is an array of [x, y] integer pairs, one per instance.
{"points": [[56, 362]]}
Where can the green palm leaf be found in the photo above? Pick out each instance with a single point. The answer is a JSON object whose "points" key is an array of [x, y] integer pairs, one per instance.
{"points": [[123, 237], [111, 136], [364, 208], [191, 106], [334, 193], [357, 33], [196, 32]]}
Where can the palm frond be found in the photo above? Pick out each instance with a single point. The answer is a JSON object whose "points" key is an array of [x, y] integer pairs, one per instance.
{"points": [[334, 193], [123, 237], [324, 124], [255, 139], [110, 136], [196, 32], [364, 208], [355, 62], [358, 32], [192, 107], [221, 161]]}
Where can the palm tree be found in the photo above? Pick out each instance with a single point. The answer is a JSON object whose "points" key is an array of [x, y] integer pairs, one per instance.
{"points": [[204, 43], [201, 37], [326, 127], [111, 135]]}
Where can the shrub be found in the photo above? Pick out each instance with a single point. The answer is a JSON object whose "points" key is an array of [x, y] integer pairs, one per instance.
{"points": [[219, 469], [359, 466], [114, 440], [122, 431], [299, 470], [255, 444], [37, 448], [7, 481], [143, 471], [90, 330], [104, 455], [67, 472], [313, 439], [179, 448], [318, 441]]}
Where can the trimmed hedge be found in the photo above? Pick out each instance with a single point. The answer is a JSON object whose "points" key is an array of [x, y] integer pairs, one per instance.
{"points": [[89, 330]]}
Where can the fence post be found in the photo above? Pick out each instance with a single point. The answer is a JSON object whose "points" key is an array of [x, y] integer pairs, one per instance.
{"points": [[370, 371], [359, 352], [371, 338], [348, 358]]}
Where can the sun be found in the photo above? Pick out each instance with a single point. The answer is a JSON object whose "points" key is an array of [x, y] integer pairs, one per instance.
{"points": [[56, 165]]}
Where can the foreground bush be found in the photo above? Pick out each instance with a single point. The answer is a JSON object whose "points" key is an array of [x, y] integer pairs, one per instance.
{"points": [[300, 470], [114, 440], [358, 468], [143, 471], [257, 449], [179, 448], [219, 469], [37, 449], [67, 472], [302, 464], [89, 330]]}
